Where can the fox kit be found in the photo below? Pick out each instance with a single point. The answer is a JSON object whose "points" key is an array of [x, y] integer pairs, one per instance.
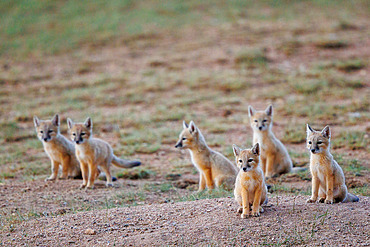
{"points": [[214, 168], [60, 150], [328, 181], [250, 188], [94, 153], [275, 159]]}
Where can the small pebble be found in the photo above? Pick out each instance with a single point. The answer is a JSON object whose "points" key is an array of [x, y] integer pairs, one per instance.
{"points": [[90, 232]]}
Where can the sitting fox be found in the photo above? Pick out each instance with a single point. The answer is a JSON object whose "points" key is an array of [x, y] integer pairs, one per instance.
{"points": [[94, 153], [328, 181], [214, 168], [250, 188], [275, 159], [60, 150]]}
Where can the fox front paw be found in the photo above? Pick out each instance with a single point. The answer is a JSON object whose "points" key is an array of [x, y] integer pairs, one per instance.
{"points": [[244, 216], [240, 210], [311, 200], [109, 185], [328, 201], [50, 179], [256, 214], [82, 186], [89, 187], [321, 200]]}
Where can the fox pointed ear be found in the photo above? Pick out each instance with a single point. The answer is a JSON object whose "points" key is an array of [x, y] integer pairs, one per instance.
{"points": [[251, 111], [55, 121], [70, 123], [256, 149], [269, 110], [185, 125], [192, 127], [309, 129], [88, 122], [36, 121], [236, 150], [326, 132]]}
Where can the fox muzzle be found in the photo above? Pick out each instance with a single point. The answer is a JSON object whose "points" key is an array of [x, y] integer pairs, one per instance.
{"points": [[178, 145], [46, 138], [78, 140]]}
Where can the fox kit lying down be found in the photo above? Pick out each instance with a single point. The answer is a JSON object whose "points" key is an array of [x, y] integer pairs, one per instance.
{"points": [[60, 150], [94, 153], [250, 188], [214, 168], [275, 159], [328, 181]]}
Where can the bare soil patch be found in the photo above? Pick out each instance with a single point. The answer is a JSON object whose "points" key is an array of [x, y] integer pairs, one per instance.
{"points": [[287, 220]]}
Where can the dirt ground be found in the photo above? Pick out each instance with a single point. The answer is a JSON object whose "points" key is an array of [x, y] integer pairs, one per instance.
{"points": [[287, 220]]}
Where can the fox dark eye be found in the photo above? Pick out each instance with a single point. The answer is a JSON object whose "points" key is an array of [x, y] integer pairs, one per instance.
{"points": [[264, 120], [310, 142], [319, 142], [183, 138], [250, 160], [74, 134], [255, 121], [83, 133], [240, 161], [41, 131], [50, 131]]}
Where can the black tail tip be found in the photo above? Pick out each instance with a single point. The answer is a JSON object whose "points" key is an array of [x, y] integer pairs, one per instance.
{"points": [[136, 163], [356, 199]]}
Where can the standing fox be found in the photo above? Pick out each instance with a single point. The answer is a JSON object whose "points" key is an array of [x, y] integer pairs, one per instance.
{"points": [[250, 188], [60, 150], [328, 181], [214, 168], [94, 153], [274, 156]]}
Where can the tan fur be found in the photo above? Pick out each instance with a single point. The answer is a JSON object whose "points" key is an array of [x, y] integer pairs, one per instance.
{"points": [[275, 159], [94, 153], [328, 182], [214, 168], [250, 188], [60, 150]]}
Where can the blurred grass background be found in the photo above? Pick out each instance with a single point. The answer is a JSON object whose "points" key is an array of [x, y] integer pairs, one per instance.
{"points": [[43, 27]]}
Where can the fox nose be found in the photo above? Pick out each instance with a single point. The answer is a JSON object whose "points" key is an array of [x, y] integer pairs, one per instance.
{"points": [[244, 168], [313, 151], [178, 145], [45, 139], [77, 142], [260, 128]]}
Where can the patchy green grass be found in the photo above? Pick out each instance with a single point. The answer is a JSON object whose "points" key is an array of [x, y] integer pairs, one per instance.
{"points": [[135, 173], [290, 47], [350, 65], [279, 188], [251, 57], [351, 139], [48, 27], [294, 134], [331, 44], [364, 190], [217, 193]]}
